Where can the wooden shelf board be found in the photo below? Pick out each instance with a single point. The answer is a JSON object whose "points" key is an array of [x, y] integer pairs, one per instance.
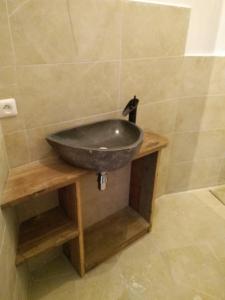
{"points": [[41, 177], [107, 237], [38, 178], [44, 232]]}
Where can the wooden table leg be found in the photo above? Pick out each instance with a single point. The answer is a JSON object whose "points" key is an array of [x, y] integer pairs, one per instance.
{"points": [[70, 201]]}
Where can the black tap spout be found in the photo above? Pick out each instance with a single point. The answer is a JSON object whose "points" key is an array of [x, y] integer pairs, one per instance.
{"points": [[131, 109]]}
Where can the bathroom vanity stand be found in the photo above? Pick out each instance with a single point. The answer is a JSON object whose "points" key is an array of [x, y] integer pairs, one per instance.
{"points": [[63, 225]]}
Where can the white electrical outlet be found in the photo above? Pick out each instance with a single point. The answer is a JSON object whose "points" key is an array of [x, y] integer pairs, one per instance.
{"points": [[8, 108]]}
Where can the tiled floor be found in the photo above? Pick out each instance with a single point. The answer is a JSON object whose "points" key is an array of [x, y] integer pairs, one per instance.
{"points": [[183, 258]]}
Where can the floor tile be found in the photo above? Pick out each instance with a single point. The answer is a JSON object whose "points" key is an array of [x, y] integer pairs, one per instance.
{"points": [[183, 258]]}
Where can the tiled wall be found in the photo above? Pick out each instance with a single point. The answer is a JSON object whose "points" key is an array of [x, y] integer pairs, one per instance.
{"points": [[98, 56], [13, 281], [198, 148], [79, 61]]}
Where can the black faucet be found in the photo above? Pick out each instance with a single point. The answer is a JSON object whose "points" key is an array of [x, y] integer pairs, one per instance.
{"points": [[131, 109]]}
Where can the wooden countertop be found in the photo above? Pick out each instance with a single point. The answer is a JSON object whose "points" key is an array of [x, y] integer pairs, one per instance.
{"points": [[41, 177]]}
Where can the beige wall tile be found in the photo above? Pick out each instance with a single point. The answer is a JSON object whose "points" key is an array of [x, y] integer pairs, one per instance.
{"points": [[51, 94], [163, 167], [189, 114], [166, 152], [42, 32], [13, 4], [205, 167], [193, 174], [184, 146], [162, 181], [210, 144], [16, 145], [153, 30], [196, 76], [96, 27], [221, 178], [6, 54], [214, 113], [204, 173], [8, 91], [37, 144], [8, 272], [3, 177], [9, 289], [178, 177], [2, 229], [3, 162], [151, 80], [97, 205], [217, 81], [11, 228], [7, 76], [7, 255], [158, 117]]}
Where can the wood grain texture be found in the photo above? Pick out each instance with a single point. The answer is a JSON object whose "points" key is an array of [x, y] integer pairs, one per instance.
{"points": [[152, 143], [70, 201], [41, 177], [107, 237], [44, 232]]}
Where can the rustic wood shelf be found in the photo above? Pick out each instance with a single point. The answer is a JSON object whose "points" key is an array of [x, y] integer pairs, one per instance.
{"points": [[44, 232], [64, 225], [109, 236], [41, 177]]}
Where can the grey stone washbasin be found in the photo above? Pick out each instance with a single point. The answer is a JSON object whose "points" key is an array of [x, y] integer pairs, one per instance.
{"points": [[101, 146]]}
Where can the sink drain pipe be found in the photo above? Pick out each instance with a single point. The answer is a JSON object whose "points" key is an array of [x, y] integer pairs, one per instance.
{"points": [[102, 181]]}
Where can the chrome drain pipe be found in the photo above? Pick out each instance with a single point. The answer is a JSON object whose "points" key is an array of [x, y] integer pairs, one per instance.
{"points": [[102, 181]]}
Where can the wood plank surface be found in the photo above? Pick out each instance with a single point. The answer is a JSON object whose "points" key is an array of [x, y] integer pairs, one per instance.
{"points": [[38, 178], [41, 177], [107, 237], [44, 232], [70, 201], [152, 143]]}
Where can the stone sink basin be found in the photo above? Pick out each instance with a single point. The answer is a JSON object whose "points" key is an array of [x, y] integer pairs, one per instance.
{"points": [[101, 146]]}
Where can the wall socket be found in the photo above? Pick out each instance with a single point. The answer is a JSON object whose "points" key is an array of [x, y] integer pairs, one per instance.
{"points": [[8, 108]]}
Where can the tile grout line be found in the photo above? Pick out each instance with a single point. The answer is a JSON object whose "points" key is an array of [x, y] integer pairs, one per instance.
{"points": [[14, 65], [175, 132], [99, 61], [64, 122], [71, 28], [103, 61], [118, 110], [119, 100], [212, 158], [21, 5], [16, 78]]}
